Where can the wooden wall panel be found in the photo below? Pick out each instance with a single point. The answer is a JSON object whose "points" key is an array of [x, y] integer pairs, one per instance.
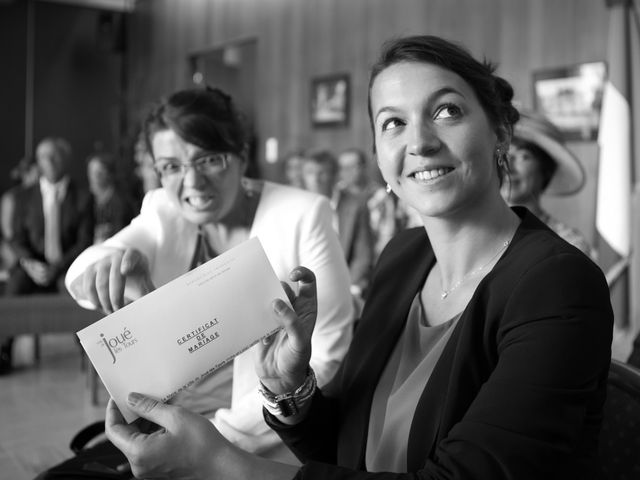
{"points": [[299, 39]]}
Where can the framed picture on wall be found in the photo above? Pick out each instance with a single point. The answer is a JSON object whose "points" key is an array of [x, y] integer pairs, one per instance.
{"points": [[330, 100], [571, 98]]}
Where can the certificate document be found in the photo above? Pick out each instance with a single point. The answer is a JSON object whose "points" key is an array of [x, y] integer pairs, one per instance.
{"points": [[179, 333]]}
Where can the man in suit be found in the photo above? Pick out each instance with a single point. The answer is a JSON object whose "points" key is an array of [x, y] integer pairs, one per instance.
{"points": [[54, 223], [351, 221]]}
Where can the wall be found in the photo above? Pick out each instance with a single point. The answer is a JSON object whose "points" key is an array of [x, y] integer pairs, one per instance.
{"points": [[299, 39], [77, 82], [13, 19]]}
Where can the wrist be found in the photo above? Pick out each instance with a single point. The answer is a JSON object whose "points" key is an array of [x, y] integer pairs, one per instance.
{"points": [[291, 403]]}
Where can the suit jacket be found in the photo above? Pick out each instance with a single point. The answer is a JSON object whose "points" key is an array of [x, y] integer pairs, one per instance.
{"points": [[518, 390], [356, 237], [76, 224]]}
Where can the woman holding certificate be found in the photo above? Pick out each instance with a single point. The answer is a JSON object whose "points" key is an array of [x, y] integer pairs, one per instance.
{"points": [[205, 207], [484, 346]]}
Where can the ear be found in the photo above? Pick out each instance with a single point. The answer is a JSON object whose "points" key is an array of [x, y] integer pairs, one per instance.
{"points": [[244, 158]]}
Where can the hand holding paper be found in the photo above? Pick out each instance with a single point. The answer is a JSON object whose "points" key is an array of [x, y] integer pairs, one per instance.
{"points": [[282, 360], [186, 329]]}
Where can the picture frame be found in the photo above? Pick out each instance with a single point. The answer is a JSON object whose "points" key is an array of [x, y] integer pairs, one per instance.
{"points": [[571, 98], [330, 101]]}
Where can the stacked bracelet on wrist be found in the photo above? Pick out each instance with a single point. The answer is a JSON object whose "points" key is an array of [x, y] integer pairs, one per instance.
{"points": [[290, 403]]}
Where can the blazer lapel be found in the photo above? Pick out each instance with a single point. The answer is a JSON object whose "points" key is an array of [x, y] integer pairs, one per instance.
{"points": [[398, 277]]}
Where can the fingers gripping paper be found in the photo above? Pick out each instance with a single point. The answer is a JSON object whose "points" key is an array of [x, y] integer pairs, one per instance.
{"points": [[186, 329]]}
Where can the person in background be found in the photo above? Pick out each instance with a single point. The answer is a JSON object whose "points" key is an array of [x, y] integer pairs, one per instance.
{"points": [[23, 175], [351, 219], [54, 223], [540, 163], [292, 166], [113, 209], [484, 348], [354, 177], [205, 207]]}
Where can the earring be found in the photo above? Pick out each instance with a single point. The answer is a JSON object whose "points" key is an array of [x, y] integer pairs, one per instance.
{"points": [[388, 189]]}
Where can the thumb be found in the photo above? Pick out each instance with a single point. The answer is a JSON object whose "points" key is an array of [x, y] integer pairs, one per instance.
{"points": [[292, 325], [151, 409]]}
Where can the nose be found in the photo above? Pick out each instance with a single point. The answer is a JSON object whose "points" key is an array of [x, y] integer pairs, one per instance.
{"points": [[423, 140], [192, 176]]}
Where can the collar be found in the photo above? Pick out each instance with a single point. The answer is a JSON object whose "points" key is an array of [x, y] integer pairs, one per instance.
{"points": [[59, 188]]}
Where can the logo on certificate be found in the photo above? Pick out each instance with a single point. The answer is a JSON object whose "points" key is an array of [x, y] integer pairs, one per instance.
{"points": [[118, 343]]}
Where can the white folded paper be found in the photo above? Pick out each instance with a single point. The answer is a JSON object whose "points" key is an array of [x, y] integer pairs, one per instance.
{"points": [[174, 336]]}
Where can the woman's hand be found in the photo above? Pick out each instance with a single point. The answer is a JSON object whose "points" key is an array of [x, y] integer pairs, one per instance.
{"points": [[103, 282], [185, 444], [281, 360]]}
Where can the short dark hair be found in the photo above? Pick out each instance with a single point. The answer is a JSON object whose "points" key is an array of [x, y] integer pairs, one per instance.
{"points": [[205, 117], [322, 157], [493, 92], [107, 160]]}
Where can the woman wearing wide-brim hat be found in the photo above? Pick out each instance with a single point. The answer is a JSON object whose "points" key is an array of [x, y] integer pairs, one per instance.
{"points": [[540, 162]]}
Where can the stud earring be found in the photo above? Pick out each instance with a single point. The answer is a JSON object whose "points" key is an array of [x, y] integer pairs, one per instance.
{"points": [[388, 189]]}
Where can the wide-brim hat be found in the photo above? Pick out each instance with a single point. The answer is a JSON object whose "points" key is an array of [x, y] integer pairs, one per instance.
{"points": [[569, 176]]}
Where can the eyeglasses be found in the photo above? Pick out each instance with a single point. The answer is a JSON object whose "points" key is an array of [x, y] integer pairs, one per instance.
{"points": [[211, 164]]}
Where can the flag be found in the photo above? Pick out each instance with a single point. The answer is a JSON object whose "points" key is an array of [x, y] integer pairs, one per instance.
{"points": [[615, 167]]}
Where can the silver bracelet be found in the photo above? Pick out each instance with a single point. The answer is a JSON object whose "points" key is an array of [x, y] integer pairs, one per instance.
{"points": [[290, 403]]}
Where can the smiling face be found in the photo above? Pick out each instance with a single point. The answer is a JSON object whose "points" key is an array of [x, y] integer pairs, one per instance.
{"points": [[201, 198], [435, 144]]}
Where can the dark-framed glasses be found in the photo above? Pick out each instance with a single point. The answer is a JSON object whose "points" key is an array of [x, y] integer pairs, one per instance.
{"points": [[210, 164]]}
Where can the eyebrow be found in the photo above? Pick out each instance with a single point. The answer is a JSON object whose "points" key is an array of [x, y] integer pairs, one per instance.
{"points": [[434, 95]]}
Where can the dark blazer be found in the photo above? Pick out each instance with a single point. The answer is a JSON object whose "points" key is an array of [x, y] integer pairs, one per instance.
{"points": [[76, 224], [519, 388], [356, 237]]}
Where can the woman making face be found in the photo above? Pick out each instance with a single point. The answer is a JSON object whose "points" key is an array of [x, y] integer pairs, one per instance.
{"points": [[483, 348], [205, 207]]}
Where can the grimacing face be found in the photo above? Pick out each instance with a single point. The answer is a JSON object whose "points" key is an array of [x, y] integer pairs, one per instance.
{"points": [[435, 144], [200, 198]]}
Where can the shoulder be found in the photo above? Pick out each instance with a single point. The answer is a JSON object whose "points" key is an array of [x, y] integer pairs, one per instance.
{"points": [[542, 276], [277, 199]]}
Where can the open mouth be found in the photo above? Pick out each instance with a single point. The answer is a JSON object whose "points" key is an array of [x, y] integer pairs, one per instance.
{"points": [[199, 202], [426, 175]]}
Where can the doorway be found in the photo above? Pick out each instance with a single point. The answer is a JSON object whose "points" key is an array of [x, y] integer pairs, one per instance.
{"points": [[232, 68]]}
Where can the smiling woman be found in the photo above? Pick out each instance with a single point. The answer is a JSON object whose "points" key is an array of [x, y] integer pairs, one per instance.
{"points": [[484, 345], [206, 207]]}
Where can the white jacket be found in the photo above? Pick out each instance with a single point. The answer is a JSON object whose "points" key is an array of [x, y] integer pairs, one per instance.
{"points": [[294, 228]]}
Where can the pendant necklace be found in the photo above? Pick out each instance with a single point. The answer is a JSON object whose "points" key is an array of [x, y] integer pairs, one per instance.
{"points": [[474, 272]]}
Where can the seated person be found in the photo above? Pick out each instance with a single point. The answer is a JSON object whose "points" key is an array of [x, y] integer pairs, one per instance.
{"points": [[484, 347], [54, 223], [113, 209], [24, 174], [351, 218], [206, 207], [540, 163]]}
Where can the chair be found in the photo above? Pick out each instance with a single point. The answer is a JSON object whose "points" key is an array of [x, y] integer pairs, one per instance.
{"points": [[619, 443]]}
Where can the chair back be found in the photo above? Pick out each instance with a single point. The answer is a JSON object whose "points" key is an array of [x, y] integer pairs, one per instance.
{"points": [[619, 443]]}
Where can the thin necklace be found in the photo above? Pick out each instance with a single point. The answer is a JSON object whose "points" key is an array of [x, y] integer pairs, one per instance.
{"points": [[475, 271]]}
